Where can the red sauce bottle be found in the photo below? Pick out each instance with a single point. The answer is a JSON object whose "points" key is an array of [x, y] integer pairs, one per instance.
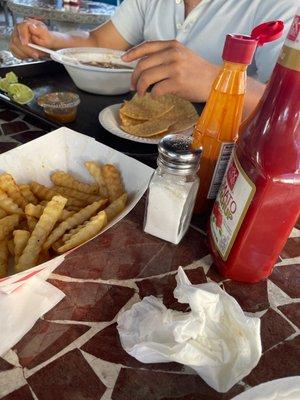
{"points": [[259, 199]]}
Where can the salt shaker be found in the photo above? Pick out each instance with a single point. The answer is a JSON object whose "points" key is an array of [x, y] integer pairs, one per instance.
{"points": [[173, 188]]}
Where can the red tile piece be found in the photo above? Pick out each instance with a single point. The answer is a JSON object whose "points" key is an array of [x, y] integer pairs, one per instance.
{"points": [[107, 346], [214, 275], [9, 128], [89, 301], [279, 362], [292, 312], [133, 384], [105, 258], [251, 297], [4, 365], [145, 255], [274, 329], [27, 136], [8, 115], [6, 146], [192, 248], [23, 393], [67, 378], [45, 340], [287, 277], [291, 249], [164, 287]]}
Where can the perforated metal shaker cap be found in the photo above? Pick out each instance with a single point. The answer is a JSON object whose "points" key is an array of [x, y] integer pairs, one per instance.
{"points": [[175, 153]]}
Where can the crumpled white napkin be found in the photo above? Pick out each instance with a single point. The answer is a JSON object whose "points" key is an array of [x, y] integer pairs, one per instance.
{"points": [[215, 338], [20, 309]]}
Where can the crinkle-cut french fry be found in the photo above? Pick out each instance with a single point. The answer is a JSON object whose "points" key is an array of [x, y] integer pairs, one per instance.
{"points": [[93, 227], [37, 210], [34, 210], [72, 232], [40, 233], [31, 222], [27, 194], [11, 247], [42, 192], [20, 240], [8, 184], [65, 214], [2, 213], [73, 208], [116, 207], [73, 221], [3, 258], [7, 225], [8, 205], [45, 193], [113, 181], [57, 245], [84, 197], [95, 171], [61, 178]]}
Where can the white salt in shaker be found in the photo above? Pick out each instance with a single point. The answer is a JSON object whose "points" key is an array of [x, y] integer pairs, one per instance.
{"points": [[173, 188]]}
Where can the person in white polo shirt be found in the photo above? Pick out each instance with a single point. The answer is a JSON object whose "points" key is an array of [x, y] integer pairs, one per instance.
{"points": [[179, 42]]}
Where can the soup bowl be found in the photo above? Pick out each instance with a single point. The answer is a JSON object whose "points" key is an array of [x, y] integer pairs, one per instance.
{"points": [[96, 70]]}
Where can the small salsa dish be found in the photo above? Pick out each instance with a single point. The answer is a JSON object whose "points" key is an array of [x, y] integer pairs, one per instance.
{"points": [[60, 106]]}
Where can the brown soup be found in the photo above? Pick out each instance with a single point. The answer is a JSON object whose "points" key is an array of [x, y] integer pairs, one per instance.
{"points": [[110, 65]]}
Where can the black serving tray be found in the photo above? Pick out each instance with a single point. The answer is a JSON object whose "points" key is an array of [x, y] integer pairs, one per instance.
{"points": [[48, 77]]}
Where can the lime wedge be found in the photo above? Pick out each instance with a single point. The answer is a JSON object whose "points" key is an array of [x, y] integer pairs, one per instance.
{"points": [[11, 77], [4, 84], [20, 93]]}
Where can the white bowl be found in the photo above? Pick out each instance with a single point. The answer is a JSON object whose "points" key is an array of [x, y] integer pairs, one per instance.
{"points": [[94, 79]]}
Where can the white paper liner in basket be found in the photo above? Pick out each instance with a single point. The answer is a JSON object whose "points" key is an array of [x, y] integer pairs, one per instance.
{"points": [[64, 149]]}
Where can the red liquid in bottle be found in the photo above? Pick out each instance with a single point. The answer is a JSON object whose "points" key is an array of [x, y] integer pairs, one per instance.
{"points": [[267, 163]]}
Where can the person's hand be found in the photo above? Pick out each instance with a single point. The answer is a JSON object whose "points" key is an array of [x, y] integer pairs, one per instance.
{"points": [[171, 68], [30, 31]]}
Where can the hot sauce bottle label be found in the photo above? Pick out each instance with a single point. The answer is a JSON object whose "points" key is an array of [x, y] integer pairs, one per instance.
{"points": [[224, 156], [231, 205]]}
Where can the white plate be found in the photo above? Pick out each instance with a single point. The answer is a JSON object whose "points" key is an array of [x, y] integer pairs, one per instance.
{"points": [[279, 389], [109, 120]]}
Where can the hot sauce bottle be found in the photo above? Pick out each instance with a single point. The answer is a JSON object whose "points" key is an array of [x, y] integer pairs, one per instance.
{"points": [[219, 123], [259, 199]]}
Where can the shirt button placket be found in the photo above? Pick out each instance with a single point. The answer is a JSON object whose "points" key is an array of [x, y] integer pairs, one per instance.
{"points": [[179, 11]]}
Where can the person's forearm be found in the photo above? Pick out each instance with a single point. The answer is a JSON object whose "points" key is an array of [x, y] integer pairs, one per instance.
{"points": [[254, 92], [66, 40], [105, 35]]}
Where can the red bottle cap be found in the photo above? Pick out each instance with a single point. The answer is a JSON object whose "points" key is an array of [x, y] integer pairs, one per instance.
{"points": [[267, 32], [241, 48]]}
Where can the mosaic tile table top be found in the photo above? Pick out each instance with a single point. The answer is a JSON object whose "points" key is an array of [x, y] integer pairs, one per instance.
{"points": [[74, 352], [17, 128], [87, 12]]}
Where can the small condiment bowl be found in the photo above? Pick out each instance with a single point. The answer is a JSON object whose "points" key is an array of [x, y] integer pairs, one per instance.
{"points": [[60, 106], [94, 79]]}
